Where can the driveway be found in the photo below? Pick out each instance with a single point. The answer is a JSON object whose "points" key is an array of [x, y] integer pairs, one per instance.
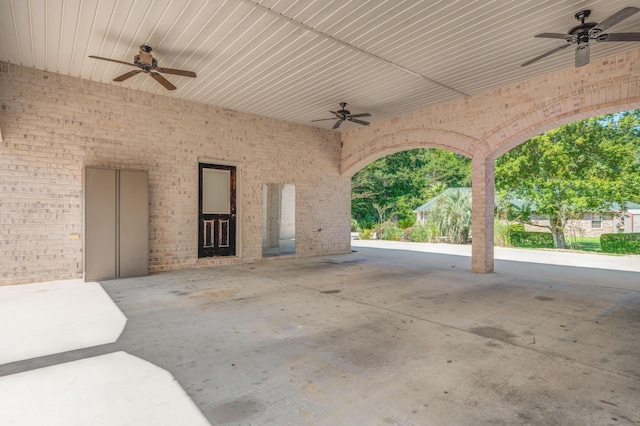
{"points": [[544, 256], [381, 336]]}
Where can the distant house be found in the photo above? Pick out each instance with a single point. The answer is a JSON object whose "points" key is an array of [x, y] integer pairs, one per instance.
{"points": [[632, 218], [591, 224]]}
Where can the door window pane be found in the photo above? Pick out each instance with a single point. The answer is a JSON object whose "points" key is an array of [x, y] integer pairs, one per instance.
{"points": [[215, 191]]}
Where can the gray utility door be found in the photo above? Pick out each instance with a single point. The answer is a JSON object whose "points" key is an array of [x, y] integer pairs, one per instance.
{"points": [[116, 234], [216, 210]]}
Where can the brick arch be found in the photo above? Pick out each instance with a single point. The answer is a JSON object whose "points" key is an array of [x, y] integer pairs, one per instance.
{"points": [[491, 123], [519, 131], [390, 143], [606, 86]]}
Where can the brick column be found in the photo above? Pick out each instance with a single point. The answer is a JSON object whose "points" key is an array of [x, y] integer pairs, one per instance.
{"points": [[482, 211]]}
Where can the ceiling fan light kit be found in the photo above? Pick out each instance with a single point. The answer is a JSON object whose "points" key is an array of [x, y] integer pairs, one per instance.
{"points": [[582, 34]]}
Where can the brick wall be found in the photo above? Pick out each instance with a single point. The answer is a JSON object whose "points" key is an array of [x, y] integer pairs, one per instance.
{"points": [[53, 126]]}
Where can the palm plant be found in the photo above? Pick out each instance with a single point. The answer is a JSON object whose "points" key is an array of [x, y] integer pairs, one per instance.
{"points": [[452, 216]]}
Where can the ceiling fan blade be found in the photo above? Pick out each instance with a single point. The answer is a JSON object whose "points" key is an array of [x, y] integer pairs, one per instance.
{"points": [[364, 114], [619, 16], [323, 119], [112, 60], [582, 54], [127, 75], [160, 79], [176, 72], [619, 37], [338, 123], [337, 114], [554, 35], [544, 55], [364, 123]]}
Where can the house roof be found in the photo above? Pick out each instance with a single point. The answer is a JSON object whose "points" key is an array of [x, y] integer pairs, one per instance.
{"points": [[432, 202], [296, 60], [629, 206]]}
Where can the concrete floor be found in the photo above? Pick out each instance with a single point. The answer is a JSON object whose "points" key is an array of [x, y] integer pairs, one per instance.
{"points": [[386, 336]]}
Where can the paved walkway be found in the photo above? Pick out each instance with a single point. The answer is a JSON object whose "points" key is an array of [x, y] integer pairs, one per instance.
{"points": [[380, 336]]}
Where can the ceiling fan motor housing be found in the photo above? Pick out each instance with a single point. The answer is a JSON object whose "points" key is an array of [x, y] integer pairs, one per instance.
{"points": [[344, 112], [144, 63], [583, 33]]}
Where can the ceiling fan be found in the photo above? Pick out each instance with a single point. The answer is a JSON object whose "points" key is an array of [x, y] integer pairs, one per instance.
{"points": [[148, 64], [580, 35], [345, 115]]}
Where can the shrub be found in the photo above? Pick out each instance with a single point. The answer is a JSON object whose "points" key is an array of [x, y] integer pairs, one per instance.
{"points": [[516, 227], [531, 239], [501, 233], [389, 231], [419, 235], [354, 225], [365, 224], [620, 243], [406, 223], [407, 232], [365, 234], [424, 233]]}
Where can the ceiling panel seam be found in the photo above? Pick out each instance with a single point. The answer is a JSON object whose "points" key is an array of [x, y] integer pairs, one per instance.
{"points": [[352, 47], [33, 58], [15, 24], [93, 25], [4, 42], [75, 40]]}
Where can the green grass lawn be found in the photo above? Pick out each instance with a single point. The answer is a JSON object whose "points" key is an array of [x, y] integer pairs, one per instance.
{"points": [[585, 243]]}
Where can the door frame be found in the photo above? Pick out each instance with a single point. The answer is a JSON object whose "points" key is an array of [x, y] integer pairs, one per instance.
{"points": [[239, 205]]}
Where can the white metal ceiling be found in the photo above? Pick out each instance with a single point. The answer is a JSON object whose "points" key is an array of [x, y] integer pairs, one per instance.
{"points": [[296, 60]]}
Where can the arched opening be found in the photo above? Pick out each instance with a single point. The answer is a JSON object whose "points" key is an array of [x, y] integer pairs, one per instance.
{"points": [[520, 131], [420, 195], [388, 218], [566, 187]]}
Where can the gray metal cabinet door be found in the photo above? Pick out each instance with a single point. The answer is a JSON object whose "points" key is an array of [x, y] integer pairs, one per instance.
{"points": [[133, 224], [116, 224], [100, 224]]}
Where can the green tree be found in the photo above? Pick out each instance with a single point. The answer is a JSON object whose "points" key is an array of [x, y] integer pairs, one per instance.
{"points": [[580, 167], [405, 180]]}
